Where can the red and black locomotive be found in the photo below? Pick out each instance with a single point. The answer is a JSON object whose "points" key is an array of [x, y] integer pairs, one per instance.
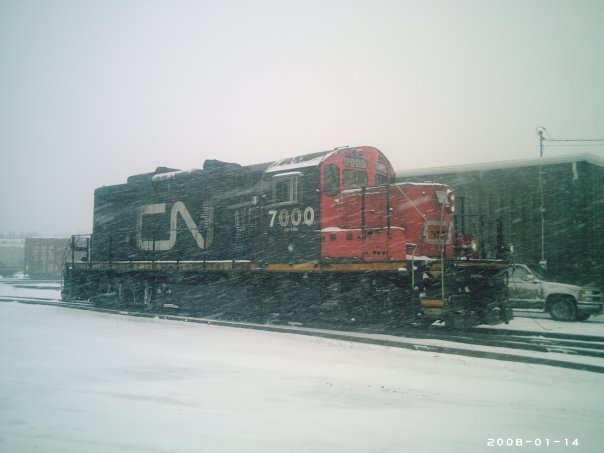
{"points": [[328, 235]]}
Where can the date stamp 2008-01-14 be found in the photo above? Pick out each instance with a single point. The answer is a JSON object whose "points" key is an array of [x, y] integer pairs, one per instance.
{"points": [[536, 442]]}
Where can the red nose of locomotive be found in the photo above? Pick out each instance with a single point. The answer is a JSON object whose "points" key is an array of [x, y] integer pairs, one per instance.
{"points": [[366, 218], [425, 211]]}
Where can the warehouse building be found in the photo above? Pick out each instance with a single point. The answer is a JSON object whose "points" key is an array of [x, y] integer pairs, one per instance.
{"points": [[550, 209], [11, 256]]}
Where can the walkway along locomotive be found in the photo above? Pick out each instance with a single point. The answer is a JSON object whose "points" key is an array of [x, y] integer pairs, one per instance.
{"points": [[323, 236]]}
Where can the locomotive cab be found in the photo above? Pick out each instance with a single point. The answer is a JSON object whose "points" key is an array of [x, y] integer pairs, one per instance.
{"points": [[329, 206], [342, 206]]}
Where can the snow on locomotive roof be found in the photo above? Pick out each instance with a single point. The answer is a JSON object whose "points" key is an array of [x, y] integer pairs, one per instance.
{"points": [[174, 174], [303, 161], [208, 165], [289, 173]]}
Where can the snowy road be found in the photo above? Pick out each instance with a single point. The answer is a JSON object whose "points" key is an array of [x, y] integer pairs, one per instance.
{"points": [[90, 382]]}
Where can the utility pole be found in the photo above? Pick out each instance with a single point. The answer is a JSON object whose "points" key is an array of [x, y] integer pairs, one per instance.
{"points": [[540, 131], [543, 262]]}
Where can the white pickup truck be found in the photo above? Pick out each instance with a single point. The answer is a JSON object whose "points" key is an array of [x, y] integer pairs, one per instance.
{"points": [[529, 287]]}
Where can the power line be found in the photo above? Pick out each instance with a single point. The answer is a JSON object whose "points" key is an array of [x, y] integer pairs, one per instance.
{"points": [[544, 131], [546, 140], [576, 140], [547, 145]]}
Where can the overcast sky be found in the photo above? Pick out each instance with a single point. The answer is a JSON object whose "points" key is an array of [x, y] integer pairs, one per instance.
{"points": [[94, 91]]}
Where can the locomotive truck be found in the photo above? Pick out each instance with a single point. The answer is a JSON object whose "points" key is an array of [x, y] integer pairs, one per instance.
{"points": [[322, 236]]}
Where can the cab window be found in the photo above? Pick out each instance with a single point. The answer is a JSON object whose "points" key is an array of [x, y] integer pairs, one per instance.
{"points": [[381, 180], [287, 188], [332, 180], [355, 179]]}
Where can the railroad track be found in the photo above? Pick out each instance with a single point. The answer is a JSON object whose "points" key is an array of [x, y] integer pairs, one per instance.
{"points": [[579, 345], [550, 349]]}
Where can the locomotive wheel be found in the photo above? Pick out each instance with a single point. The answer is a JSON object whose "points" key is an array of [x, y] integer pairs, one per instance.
{"points": [[562, 309]]}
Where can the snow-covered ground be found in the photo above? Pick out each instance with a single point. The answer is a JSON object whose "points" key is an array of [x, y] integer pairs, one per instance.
{"points": [[7, 290], [77, 381]]}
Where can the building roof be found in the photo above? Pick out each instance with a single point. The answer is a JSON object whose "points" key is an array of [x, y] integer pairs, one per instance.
{"points": [[585, 157], [12, 242]]}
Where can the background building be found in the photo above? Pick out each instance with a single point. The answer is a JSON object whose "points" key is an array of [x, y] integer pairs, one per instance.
{"points": [[44, 257], [568, 191], [11, 256]]}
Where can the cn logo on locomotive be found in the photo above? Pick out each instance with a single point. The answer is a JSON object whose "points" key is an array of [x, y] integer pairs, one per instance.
{"points": [[166, 244]]}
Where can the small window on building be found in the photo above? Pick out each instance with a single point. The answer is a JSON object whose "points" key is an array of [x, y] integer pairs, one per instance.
{"points": [[355, 179], [287, 188], [332, 180]]}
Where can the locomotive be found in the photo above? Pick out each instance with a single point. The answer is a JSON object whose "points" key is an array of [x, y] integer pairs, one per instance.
{"points": [[322, 236]]}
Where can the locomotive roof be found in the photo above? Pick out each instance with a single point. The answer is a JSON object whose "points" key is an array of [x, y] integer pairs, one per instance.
{"points": [[209, 166], [305, 160]]}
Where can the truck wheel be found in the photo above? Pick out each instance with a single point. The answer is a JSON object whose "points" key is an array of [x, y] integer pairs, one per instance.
{"points": [[582, 316], [562, 309]]}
